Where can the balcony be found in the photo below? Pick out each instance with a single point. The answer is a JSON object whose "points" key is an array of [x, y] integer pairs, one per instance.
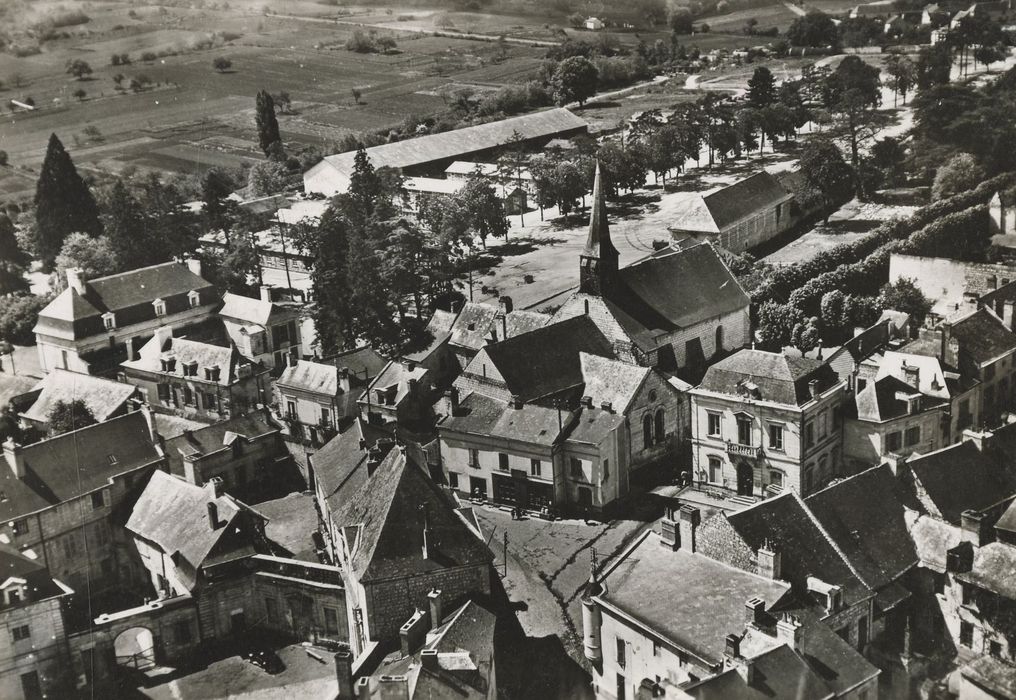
{"points": [[739, 450]]}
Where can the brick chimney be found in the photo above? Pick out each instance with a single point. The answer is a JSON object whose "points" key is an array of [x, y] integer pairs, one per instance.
{"points": [[363, 688], [213, 515], [770, 561], [732, 646], [194, 265], [436, 607], [214, 487], [975, 529], [265, 292], [689, 522], [76, 279], [429, 660], [516, 401], [344, 672], [413, 632], [754, 609], [788, 630], [15, 458], [912, 375]]}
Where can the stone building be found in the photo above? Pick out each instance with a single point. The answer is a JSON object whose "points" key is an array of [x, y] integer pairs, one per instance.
{"points": [[267, 332], [400, 394], [104, 398], [197, 379], [766, 422], [94, 325], [33, 652], [674, 310]]}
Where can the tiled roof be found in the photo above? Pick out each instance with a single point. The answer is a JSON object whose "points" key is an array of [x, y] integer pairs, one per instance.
{"points": [[313, 377], [611, 381], [70, 465], [885, 399], [246, 309], [215, 437], [174, 515], [676, 595], [804, 547], [745, 198], [958, 478], [983, 337], [451, 144], [389, 512], [186, 351], [546, 361], [340, 465], [864, 515], [768, 376], [103, 397], [779, 673], [482, 415], [472, 326], [291, 522]]}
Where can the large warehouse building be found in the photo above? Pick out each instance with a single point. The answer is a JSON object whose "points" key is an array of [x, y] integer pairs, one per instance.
{"points": [[430, 155]]}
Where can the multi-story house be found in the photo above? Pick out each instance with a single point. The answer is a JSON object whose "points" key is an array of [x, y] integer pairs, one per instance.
{"points": [[104, 398], [766, 422], [267, 332], [94, 325], [400, 393], [61, 497], [33, 651], [673, 310], [196, 379], [317, 398]]}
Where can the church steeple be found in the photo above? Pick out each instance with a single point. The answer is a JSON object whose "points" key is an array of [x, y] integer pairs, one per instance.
{"points": [[598, 262]]}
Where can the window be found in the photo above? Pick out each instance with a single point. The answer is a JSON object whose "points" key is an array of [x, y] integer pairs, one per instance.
{"points": [[912, 436], [822, 424], [892, 441], [809, 434], [606, 470], [743, 430], [535, 467], [14, 595], [194, 298], [647, 431], [576, 468], [714, 424], [660, 425], [453, 480], [502, 461], [776, 478], [967, 634], [188, 396], [20, 633], [620, 647], [164, 390], [621, 687], [182, 632], [474, 458], [862, 633], [331, 616], [719, 339], [776, 437], [160, 307], [109, 321], [967, 594], [995, 648], [97, 500], [326, 416], [715, 470], [291, 410], [19, 527]]}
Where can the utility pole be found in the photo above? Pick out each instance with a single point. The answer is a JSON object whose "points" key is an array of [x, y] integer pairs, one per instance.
{"points": [[505, 554]]}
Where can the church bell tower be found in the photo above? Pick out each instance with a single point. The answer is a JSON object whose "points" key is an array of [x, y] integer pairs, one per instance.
{"points": [[598, 262]]}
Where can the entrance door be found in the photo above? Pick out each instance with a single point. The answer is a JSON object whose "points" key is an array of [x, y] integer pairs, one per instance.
{"points": [[30, 686], [585, 497], [477, 487], [745, 479], [237, 622]]}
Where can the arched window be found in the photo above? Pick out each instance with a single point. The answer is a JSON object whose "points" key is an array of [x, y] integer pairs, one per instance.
{"points": [[719, 340], [647, 431], [661, 431]]}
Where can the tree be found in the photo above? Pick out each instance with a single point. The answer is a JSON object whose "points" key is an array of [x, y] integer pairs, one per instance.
{"points": [[78, 68], [987, 54], [267, 124], [80, 94], [831, 312], [4, 159], [824, 170], [18, 316], [887, 160], [903, 295], [385, 44], [96, 256], [813, 29], [268, 177], [959, 174], [238, 269], [761, 88], [283, 102], [66, 416], [357, 93], [221, 64], [902, 73], [63, 204], [12, 260], [484, 208], [215, 188], [933, 65], [852, 93], [680, 20], [575, 80], [776, 323]]}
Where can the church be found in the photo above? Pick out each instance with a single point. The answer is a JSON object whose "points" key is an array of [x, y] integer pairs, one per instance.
{"points": [[674, 310]]}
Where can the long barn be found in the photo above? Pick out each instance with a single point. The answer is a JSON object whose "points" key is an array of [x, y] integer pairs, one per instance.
{"points": [[433, 153]]}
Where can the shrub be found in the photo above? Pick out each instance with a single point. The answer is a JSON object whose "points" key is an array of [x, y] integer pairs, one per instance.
{"points": [[149, 56], [18, 315]]}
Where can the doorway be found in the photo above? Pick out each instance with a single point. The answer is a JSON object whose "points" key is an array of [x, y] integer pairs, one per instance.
{"points": [[135, 649], [745, 479]]}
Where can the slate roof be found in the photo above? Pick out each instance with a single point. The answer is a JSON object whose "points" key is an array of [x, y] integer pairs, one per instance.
{"points": [[397, 376], [869, 341], [676, 595], [388, 512], [769, 376], [174, 515], [865, 516], [213, 438], [103, 397], [341, 462], [994, 569], [745, 198], [313, 377], [291, 521], [983, 336], [779, 673], [1008, 520], [478, 324], [958, 478], [671, 290], [13, 385], [482, 415], [186, 351], [439, 330], [611, 381], [932, 539], [805, 548], [593, 425], [452, 144], [40, 584], [884, 399], [834, 660], [364, 363], [62, 468]]}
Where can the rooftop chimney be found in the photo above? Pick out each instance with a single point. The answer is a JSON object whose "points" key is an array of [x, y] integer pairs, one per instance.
{"points": [[670, 535], [363, 688], [605, 405], [689, 521], [429, 660], [15, 459], [76, 279], [507, 304], [813, 388], [194, 265], [770, 561], [265, 292], [213, 515], [732, 646], [426, 533], [912, 375], [214, 487], [788, 630], [975, 528], [587, 401], [436, 607], [754, 609], [374, 458], [413, 632], [393, 687], [344, 672], [516, 401]]}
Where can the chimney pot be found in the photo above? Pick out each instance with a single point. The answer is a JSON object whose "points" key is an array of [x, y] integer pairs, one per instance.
{"points": [[607, 407], [770, 562], [410, 365], [194, 265], [670, 535], [413, 632], [516, 401], [429, 660], [453, 400], [690, 517], [76, 279], [363, 688], [436, 607], [733, 646], [214, 486], [15, 459], [754, 609], [587, 401]]}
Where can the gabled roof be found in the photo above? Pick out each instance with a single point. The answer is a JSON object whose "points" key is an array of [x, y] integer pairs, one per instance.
{"points": [[993, 569], [768, 376], [292, 520], [865, 516], [745, 198], [1008, 520], [545, 361], [395, 381], [611, 381], [103, 397], [246, 309], [933, 538], [14, 385], [779, 673], [482, 415], [340, 465], [438, 331], [40, 584], [185, 351], [70, 465], [958, 478], [213, 438], [390, 511], [312, 377], [886, 398], [174, 515], [983, 337], [479, 324], [364, 363], [593, 425], [804, 547]]}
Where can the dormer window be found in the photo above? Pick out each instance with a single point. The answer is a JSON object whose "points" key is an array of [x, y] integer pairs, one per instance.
{"points": [[194, 299], [109, 320], [212, 373], [160, 307], [190, 369], [168, 363], [14, 590]]}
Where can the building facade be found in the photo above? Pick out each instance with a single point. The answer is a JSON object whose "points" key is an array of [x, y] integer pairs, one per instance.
{"points": [[267, 332]]}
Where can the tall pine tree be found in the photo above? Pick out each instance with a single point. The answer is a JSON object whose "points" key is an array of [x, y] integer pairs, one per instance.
{"points": [[268, 125], [12, 270], [63, 204]]}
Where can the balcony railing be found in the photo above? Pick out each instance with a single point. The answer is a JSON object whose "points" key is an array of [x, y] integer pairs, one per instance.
{"points": [[739, 450]]}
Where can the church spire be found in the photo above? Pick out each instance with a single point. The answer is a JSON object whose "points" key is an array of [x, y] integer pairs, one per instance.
{"points": [[599, 260]]}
